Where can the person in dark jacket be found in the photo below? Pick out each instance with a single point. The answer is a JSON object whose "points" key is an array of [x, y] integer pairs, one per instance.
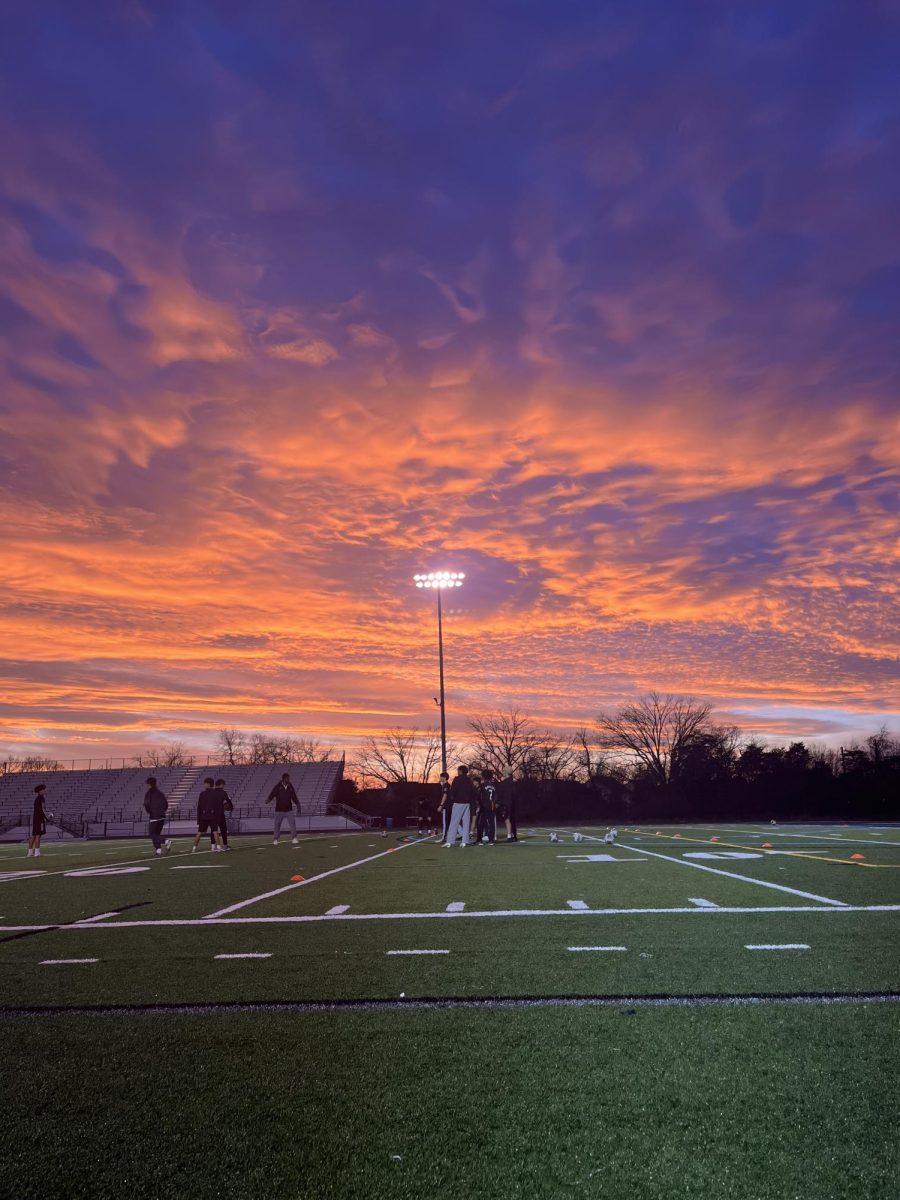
{"points": [[462, 796], [157, 806], [207, 820], [39, 817], [226, 807], [506, 805], [285, 798], [444, 805], [487, 804]]}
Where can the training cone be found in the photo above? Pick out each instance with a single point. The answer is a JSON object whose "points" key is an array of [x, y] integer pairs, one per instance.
{"points": [[714, 839], [767, 845], [678, 835], [297, 879], [857, 857]]}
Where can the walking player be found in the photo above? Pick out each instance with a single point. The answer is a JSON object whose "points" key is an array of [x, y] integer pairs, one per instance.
{"points": [[463, 796], [285, 798], [206, 816], [38, 822], [157, 806]]}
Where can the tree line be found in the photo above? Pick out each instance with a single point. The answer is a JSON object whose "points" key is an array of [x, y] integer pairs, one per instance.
{"points": [[655, 757]]}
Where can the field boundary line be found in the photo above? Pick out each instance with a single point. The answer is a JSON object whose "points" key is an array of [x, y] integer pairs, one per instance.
{"points": [[765, 852], [778, 887], [311, 918], [222, 912], [813, 837], [287, 1007]]}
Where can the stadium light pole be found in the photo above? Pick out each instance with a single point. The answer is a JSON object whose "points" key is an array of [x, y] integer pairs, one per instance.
{"points": [[438, 580]]}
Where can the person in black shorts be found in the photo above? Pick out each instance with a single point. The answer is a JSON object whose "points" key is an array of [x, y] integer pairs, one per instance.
{"points": [[207, 820], [156, 805], [487, 822], [227, 807], [39, 817]]}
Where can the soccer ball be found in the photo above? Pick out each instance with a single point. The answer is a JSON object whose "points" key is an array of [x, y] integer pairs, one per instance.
{"points": [[577, 837], [554, 837], [610, 837]]}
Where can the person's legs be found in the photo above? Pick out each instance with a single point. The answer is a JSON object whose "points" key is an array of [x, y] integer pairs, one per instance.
{"points": [[223, 829], [279, 817], [156, 833], [459, 815], [292, 821]]}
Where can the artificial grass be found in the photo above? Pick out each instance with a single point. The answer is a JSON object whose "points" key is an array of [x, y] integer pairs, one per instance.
{"points": [[753, 1104]]}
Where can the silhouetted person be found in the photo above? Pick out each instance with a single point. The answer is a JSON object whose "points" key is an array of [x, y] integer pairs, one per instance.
{"points": [[38, 822], [487, 822], [285, 798], [463, 796], [157, 806], [227, 807], [207, 821], [444, 805]]}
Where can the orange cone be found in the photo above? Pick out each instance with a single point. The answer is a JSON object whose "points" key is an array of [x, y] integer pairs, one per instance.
{"points": [[678, 835], [857, 856], [297, 879], [713, 839], [767, 845]]}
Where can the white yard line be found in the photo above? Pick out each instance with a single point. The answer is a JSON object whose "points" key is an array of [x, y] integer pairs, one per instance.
{"points": [[417, 951], [781, 946], [702, 903], [65, 962], [443, 915], [222, 912], [778, 887], [599, 949], [99, 917], [337, 910], [251, 955]]}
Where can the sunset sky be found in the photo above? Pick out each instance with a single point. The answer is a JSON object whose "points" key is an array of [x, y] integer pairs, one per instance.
{"points": [[596, 302]]}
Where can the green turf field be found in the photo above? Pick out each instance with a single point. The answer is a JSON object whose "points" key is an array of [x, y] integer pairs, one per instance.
{"points": [[694, 1011]]}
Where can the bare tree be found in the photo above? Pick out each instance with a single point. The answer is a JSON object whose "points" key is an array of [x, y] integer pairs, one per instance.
{"points": [[504, 740], [550, 759], [657, 730], [399, 756], [232, 744], [13, 765], [172, 754]]}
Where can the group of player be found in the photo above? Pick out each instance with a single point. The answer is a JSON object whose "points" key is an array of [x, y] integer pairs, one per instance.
{"points": [[213, 806], [470, 808]]}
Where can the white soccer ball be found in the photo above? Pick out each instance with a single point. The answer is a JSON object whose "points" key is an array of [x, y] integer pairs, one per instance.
{"points": [[554, 837], [577, 837]]}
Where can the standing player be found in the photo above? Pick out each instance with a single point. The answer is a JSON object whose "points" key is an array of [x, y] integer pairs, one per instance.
{"points": [[285, 798], [463, 796], [487, 821], [39, 817], [157, 806], [227, 807], [444, 805], [206, 816]]}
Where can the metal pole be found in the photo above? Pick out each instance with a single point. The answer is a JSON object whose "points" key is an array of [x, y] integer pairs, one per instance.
{"points": [[443, 709]]}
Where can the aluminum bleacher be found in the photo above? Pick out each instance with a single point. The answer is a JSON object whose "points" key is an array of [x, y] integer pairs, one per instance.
{"points": [[110, 803]]}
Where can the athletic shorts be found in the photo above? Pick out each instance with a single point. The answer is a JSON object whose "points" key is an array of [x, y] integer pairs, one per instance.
{"points": [[207, 824], [502, 812], [38, 828]]}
